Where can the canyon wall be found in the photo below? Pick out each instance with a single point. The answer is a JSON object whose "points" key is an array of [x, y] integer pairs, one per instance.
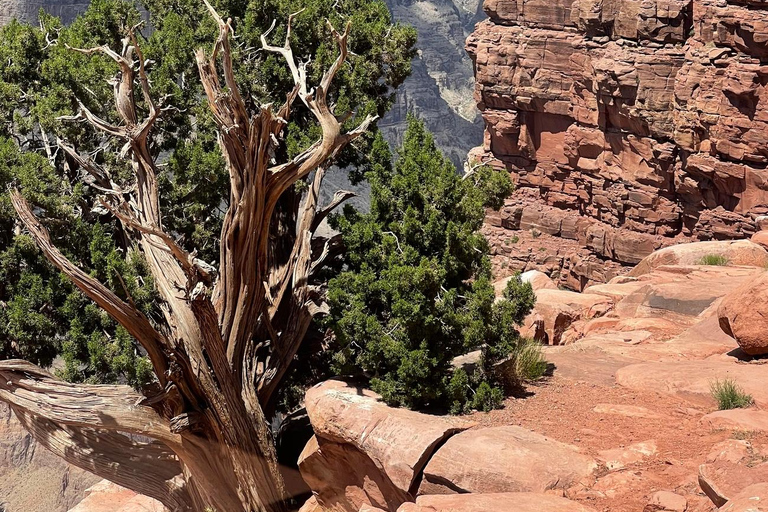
{"points": [[628, 125]]}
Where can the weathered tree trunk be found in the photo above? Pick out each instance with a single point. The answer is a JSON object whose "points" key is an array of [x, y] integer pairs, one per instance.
{"points": [[198, 439]]}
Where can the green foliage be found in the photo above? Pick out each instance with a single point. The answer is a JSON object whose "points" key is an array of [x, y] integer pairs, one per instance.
{"points": [[530, 364], [416, 291], [729, 395], [714, 259], [41, 314]]}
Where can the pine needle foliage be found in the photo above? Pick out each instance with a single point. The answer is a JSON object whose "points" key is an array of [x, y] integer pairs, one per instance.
{"points": [[417, 290]]}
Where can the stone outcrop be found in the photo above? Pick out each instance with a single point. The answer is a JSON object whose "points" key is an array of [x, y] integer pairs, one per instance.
{"points": [[743, 314], [504, 459], [366, 454], [108, 497], [628, 126]]}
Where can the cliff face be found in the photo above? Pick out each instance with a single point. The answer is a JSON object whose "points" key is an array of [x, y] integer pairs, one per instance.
{"points": [[439, 90], [27, 10], [627, 124]]}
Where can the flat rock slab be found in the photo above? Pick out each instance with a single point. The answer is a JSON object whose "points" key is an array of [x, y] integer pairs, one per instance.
{"points": [[753, 420], [398, 441], [498, 502], [722, 481], [108, 497], [692, 379], [752, 499], [665, 501], [504, 459], [629, 411], [740, 252], [619, 458]]}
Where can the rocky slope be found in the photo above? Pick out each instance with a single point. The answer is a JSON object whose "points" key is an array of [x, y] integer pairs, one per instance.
{"points": [[625, 422], [628, 125]]}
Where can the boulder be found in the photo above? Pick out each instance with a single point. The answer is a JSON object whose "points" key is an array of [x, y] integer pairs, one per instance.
{"points": [[723, 480], [398, 441], [740, 252], [496, 502], [751, 499], [538, 280], [343, 478], [761, 238], [743, 314], [504, 459], [750, 420], [557, 310]]}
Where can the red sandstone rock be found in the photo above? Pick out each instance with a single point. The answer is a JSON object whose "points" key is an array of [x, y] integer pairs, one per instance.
{"points": [[504, 459], [750, 420], [752, 499], [742, 252], [398, 441], [743, 315], [633, 125], [343, 478], [665, 501], [501, 502], [557, 310], [722, 481], [108, 497], [692, 379]]}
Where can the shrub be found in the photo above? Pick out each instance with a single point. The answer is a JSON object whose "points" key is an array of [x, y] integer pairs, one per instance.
{"points": [[416, 289], [515, 239], [729, 395], [530, 364], [713, 259]]}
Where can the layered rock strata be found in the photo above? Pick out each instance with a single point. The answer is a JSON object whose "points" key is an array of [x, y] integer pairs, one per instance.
{"points": [[628, 125]]}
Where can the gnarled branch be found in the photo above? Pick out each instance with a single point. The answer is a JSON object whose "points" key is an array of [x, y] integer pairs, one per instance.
{"points": [[148, 468], [104, 407], [126, 315]]}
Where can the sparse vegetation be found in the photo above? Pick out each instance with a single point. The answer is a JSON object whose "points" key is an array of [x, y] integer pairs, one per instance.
{"points": [[535, 233], [729, 395], [530, 364], [515, 239], [714, 259]]}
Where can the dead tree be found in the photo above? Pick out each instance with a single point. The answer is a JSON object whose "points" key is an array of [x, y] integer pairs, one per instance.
{"points": [[198, 438]]}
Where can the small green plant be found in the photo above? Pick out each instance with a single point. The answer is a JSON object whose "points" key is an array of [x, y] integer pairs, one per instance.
{"points": [[530, 364], [714, 259], [535, 233], [542, 249], [729, 395], [514, 239]]}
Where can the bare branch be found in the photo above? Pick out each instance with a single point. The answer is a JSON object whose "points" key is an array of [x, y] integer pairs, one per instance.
{"points": [[338, 198], [133, 320], [101, 178], [299, 72], [104, 407], [148, 468], [188, 262]]}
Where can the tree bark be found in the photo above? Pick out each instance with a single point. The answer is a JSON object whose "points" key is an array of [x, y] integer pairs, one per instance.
{"points": [[198, 438]]}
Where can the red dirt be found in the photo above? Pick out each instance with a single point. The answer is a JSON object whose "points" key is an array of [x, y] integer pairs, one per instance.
{"points": [[562, 408]]}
